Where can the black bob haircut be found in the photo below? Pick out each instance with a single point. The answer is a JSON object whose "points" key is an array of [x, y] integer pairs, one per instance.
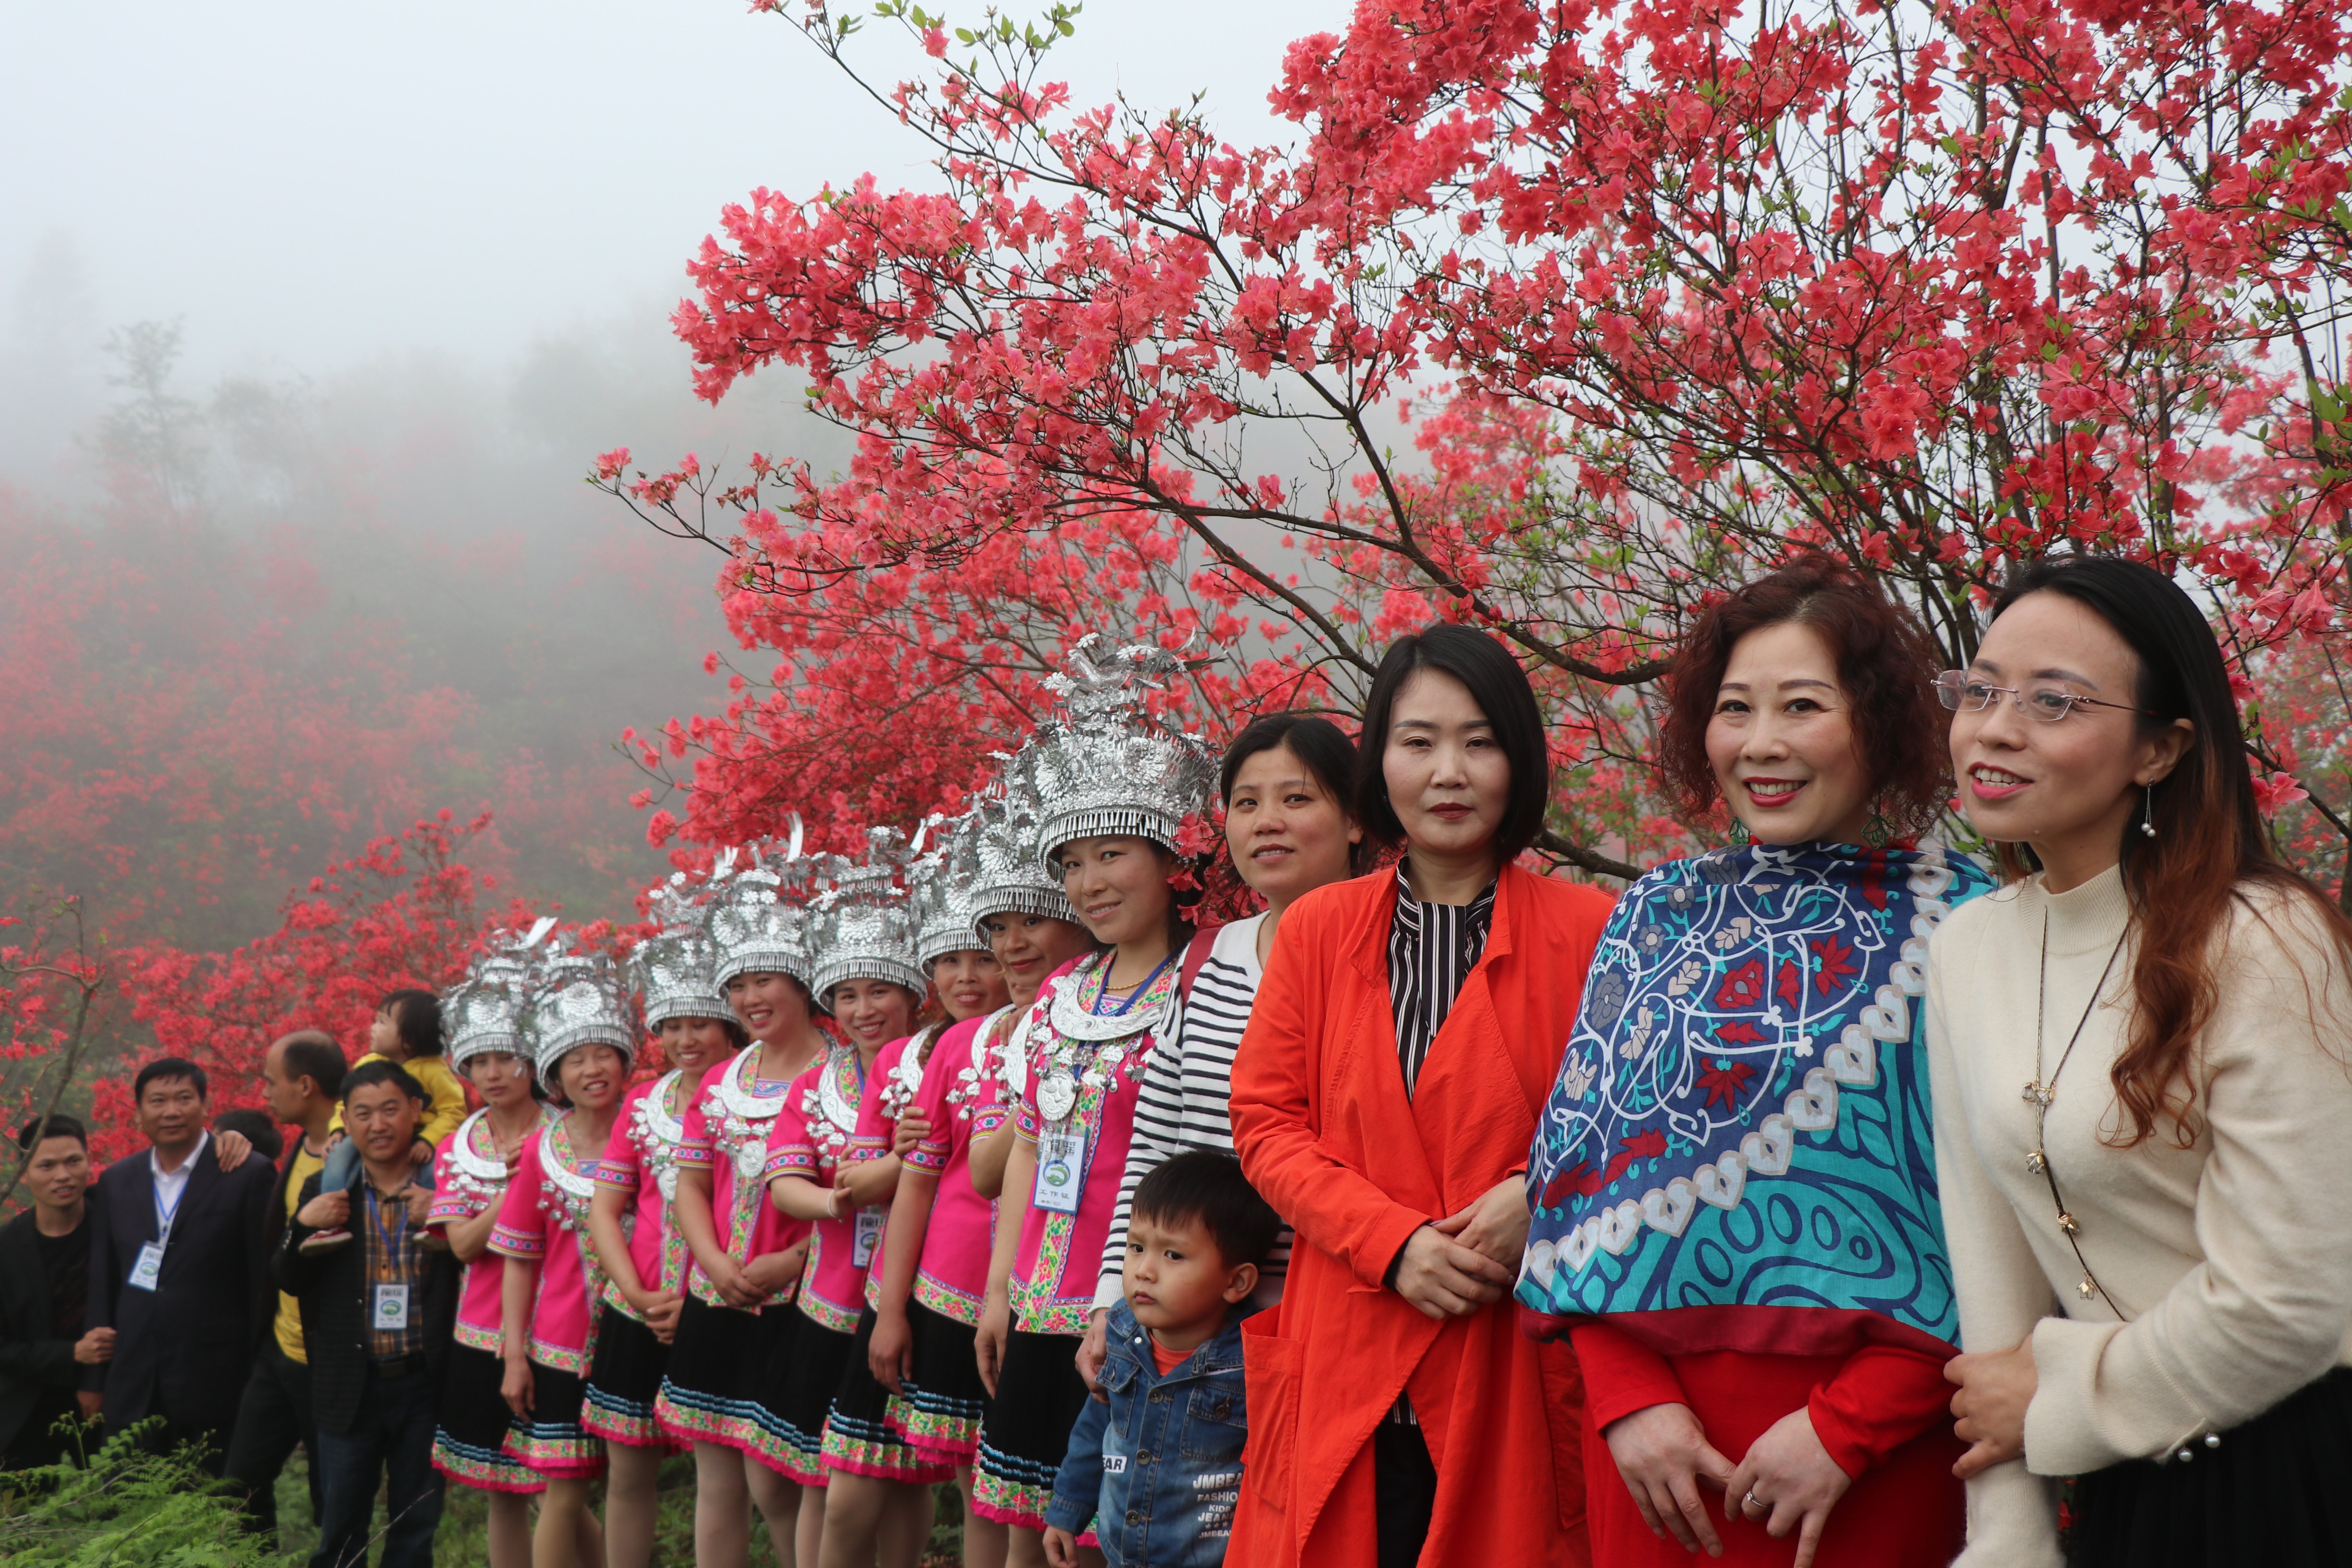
{"points": [[57, 1126], [1207, 1186], [1499, 687], [392, 1073], [309, 1053], [416, 1015], [170, 1069], [258, 1129]]}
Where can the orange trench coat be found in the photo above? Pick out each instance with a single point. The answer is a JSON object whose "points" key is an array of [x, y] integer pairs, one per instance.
{"points": [[1326, 1132]]}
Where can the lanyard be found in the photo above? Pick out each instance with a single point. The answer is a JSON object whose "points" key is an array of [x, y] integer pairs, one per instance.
{"points": [[165, 1218], [1120, 1011], [394, 1243]]}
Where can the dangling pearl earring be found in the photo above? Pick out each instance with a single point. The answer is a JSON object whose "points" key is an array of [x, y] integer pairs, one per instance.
{"points": [[2148, 811]]}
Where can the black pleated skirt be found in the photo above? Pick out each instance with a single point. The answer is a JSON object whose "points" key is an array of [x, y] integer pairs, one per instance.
{"points": [[2274, 1493], [624, 1382], [1027, 1432], [858, 1435], [800, 1397]]}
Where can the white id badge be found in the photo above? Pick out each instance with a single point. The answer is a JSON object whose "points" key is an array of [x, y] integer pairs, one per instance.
{"points": [[1060, 1167], [391, 1306], [869, 1231], [148, 1268]]}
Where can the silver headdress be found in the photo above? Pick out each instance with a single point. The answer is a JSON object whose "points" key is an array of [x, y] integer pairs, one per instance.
{"points": [[863, 928], [1109, 767], [757, 914], [675, 967], [1009, 876], [489, 1010], [579, 1003], [941, 885]]}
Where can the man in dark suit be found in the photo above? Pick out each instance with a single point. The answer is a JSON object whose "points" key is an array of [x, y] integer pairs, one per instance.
{"points": [[377, 1322], [44, 1269], [179, 1269]]}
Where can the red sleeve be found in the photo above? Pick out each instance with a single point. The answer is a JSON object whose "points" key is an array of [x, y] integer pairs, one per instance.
{"points": [[520, 1230], [1326, 1201], [1621, 1373], [791, 1151], [619, 1167], [1880, 1399]]}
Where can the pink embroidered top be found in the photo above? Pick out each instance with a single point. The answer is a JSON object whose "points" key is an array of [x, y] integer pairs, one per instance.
{"points": [[544, 1219], [1082, 1070], [897, 1074], [726, 1131], [470, 1179], [641, 1161], [812, 1138], [961, 1098]]}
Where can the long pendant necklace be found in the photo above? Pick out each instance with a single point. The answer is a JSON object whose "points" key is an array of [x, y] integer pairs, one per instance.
{"points": [[2040, 1092]]}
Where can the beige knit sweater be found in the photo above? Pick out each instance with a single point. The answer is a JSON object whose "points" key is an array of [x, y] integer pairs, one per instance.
{"points": [[2230, 1260]]}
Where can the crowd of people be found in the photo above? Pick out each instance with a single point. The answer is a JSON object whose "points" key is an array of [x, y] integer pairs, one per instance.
{"points": [[1829, 1197]]}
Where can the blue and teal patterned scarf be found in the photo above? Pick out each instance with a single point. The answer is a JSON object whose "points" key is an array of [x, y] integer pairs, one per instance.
{"points": [[1741, 1117]]}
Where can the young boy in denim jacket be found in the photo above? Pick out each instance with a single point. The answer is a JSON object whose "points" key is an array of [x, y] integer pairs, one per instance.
{"points": [[1157, 1460]]}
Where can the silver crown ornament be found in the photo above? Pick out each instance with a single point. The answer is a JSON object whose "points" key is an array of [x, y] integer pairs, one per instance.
{"points": [[1109, 768], [489, 1010], [579, 1002], [756, 913], [863, 926], [1008, 876], [939, 883], [674, 968]]}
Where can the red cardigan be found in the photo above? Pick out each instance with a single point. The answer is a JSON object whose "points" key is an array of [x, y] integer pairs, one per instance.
{"points": [[1326, 1132]]}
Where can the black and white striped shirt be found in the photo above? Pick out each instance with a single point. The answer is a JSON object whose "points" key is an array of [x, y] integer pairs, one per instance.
{"points": [[1185, 1098], [1433, 948]]}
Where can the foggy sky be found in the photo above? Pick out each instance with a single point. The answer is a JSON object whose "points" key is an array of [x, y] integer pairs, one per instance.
{"points": [[423, 257], [311, 185]]}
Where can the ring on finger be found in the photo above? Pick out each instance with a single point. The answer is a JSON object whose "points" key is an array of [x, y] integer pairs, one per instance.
{"points": [[1752, 1500]]}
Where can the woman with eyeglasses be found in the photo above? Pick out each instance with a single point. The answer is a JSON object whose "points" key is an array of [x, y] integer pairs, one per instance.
{"points": [[1734, 1182], [2142, 1097]]}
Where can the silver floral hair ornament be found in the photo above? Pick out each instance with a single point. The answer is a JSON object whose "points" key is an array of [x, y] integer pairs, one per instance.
{"points": [[862, 927], [674, 969], [579, 1003], [1109, 769], [940, 884], [757, 916], [489, 1010], [1008, 876]]}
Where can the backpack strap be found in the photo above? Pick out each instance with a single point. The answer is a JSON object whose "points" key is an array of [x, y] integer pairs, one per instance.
{"points": [[1196, 953]]}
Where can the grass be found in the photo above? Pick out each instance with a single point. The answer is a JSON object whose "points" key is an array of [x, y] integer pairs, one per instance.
{"points": [[464, 1535]]}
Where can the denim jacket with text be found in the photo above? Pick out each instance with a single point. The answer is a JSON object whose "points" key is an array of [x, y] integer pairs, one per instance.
{"points": [[1158, 1467]]}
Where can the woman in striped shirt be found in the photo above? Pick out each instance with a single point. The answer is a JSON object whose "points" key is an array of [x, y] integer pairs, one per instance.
{"points": [[1285, 784]]}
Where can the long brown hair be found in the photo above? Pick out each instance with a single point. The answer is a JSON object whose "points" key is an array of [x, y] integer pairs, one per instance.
{"points": [[1886, 665], [2209, 849]]}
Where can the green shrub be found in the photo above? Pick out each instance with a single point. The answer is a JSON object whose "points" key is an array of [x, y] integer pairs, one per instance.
{"points": [[130, 1508]]}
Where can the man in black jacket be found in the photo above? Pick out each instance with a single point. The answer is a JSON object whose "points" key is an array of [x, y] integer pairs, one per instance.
{"points": [[179, 1269], [377, 1320], [44, 1278], [302, 1076]]}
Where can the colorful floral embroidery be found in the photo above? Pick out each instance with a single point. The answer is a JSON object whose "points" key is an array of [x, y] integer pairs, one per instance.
{"points": [[1749, 1042]]}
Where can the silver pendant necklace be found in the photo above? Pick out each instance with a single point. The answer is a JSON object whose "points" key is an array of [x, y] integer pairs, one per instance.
{"points": [[2039, 1092]]}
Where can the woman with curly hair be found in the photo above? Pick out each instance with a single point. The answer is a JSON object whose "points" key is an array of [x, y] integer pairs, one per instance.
{"points": [[1734, 1183]]}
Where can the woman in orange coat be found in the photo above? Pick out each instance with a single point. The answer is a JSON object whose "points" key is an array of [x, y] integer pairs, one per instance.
{"points": [[1384, 1098]]}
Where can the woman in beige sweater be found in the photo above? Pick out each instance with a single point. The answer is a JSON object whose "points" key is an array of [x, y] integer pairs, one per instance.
{"points": [[2142, 1069]]}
